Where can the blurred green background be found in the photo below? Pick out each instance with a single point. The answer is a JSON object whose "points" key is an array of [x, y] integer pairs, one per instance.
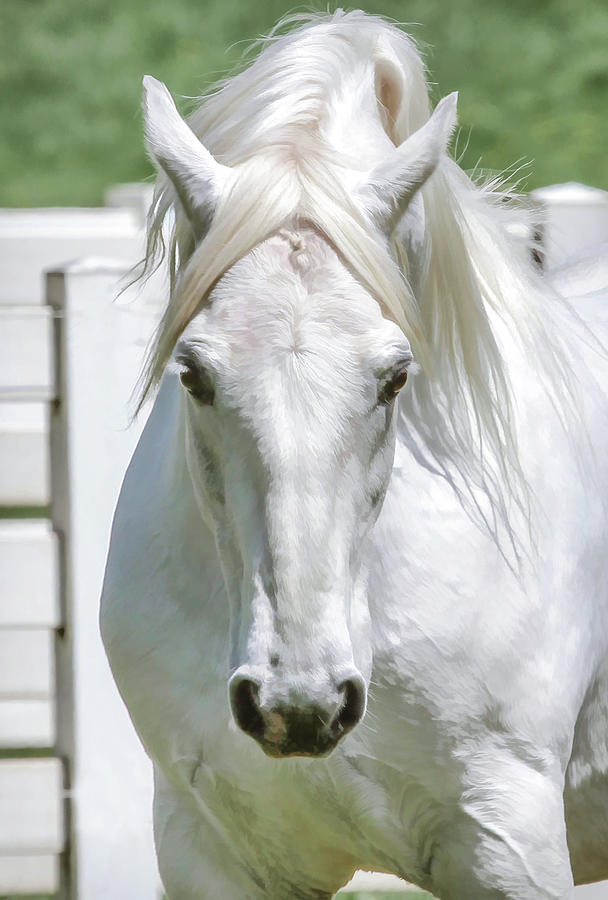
{"points": [[532, 76]]}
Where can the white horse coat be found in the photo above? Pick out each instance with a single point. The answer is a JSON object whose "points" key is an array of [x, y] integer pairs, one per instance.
{"points": [[336, 660]]}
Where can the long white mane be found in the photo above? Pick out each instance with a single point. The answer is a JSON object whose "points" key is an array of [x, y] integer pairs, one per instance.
{"points": [[283, 124]]}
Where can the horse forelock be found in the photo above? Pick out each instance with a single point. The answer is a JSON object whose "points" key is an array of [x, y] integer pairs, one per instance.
{"points": [[280, 190], [283, 125]]}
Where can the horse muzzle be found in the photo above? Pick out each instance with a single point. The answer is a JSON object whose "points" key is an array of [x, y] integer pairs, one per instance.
{"points": [[297, 725]]}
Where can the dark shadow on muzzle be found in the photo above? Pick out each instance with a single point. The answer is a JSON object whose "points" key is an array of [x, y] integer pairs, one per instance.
{"points": [[304, 730]]}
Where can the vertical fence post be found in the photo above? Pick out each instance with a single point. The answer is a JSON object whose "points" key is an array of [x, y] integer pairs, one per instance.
{"points": [[575, 219], [99, 348]]}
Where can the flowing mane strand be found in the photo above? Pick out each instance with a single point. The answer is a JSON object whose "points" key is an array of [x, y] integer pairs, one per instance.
{"points": [[283, 126]]}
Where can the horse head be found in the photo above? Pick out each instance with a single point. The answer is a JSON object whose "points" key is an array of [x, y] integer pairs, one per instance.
{"points": [[290, 371]]}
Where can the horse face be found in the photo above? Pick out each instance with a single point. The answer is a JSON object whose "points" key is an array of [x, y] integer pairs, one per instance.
{"points": [[290, 375]]}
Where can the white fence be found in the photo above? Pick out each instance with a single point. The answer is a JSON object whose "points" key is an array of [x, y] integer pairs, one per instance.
{"points": [[75, 790], [75, 797]]}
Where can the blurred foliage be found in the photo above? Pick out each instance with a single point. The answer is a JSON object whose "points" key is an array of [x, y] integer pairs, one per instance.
{"points": [[533, 82]]}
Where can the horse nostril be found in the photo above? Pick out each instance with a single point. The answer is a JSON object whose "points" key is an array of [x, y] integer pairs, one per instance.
{"points": [[284, 727], [352, 709], [244, 699]]}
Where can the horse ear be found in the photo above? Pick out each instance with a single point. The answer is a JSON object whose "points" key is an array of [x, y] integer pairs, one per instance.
{"points": [[196, 176], [390, 186]]}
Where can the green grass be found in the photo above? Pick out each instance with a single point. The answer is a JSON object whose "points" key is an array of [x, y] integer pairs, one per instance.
{"points": [[24, 512], [532, 79]]}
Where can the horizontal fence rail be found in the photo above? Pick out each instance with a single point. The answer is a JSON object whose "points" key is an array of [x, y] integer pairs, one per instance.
{"points": [[32, 241], [32, 833]]}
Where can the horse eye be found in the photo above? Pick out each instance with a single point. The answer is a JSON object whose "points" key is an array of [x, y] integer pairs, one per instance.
{"points": [[392, 387], [198, 384]]}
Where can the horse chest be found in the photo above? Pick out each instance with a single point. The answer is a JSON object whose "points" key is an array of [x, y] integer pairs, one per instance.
{"points": [[307, 816], [347, 811]]}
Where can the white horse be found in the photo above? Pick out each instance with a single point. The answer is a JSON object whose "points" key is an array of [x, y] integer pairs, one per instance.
{"points": [[356, 630]]}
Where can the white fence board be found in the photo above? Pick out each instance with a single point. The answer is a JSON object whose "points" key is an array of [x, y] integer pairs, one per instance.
{"points": [[102, 344], [29, 590], [27, 723], [575, 218], [33, 240], [31, 800], [26, 664], [24, 455], [25, 352], [29, 874], [133, 195]]}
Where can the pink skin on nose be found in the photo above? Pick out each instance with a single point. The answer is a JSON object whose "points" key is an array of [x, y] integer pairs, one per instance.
{"points": [[276, 730]]}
